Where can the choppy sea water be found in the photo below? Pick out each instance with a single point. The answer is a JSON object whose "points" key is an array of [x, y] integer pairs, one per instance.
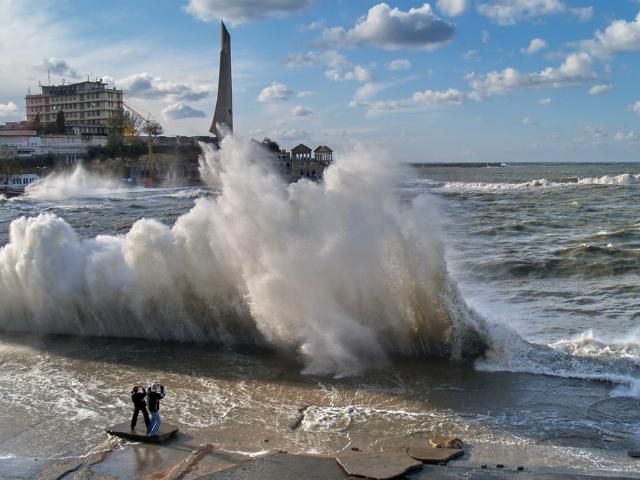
{"points": [[550, 251]]}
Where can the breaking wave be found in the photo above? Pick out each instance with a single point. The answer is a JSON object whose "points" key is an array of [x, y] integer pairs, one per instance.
{"points": [[76, 184], [532, 185], [340, 271], [343, 273], [582, 357]]}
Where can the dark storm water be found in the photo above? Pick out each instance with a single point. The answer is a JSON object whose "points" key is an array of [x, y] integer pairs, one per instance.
{"points": [[556, 260]]}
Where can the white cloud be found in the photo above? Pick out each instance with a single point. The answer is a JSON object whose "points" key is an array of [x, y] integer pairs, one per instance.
{"points": [[399, 64], [575, 70], [391, 28], [599, 89], [275, 91], [597, 133], [635, 107], [426, 98], [526, 121], [485, 36], [358, 73], [289, 135], [311, 27], [535, 46], [145, 85], [305, 93], [57, 66], [471, 56], [179, 111], [300, 111], [510, 12], [620, 36], [366, 91], [627, 137], [452, 8], [545, 101], [240, 11], [331, 59], [442, 97], [8, 109], [583, 14]]}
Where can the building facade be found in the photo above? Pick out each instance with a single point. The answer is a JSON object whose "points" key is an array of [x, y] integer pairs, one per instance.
{"points": [[66, 149], [87, 106], [303, 162]]}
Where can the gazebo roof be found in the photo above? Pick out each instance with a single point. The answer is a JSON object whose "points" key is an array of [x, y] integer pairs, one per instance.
{"points": [[302, 148], [323, 149]]}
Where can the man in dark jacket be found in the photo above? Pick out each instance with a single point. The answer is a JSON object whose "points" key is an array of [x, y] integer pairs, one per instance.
{"points": [[139, 405], [155, 393]]}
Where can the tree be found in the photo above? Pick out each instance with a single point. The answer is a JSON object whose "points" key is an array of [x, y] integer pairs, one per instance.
{"points": [[60, 123], [271, 145], [151, 129]]}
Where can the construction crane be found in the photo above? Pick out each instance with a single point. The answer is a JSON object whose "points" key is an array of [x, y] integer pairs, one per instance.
{"points": [[150, 127]]}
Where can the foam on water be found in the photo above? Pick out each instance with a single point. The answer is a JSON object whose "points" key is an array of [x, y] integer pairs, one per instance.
{"points": [[76, 184], [582, 357], [532, 185], [338, 271]]}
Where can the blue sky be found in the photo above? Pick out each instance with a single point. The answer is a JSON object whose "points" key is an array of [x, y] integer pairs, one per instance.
{"points": [[446, 80]]}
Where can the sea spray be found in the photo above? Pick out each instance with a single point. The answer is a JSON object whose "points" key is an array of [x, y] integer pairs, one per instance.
{"points": [[75, 183], [340, 271]]}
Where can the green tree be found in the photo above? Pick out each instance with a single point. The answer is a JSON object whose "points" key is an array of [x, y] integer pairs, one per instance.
{"points": [[151, 129]]}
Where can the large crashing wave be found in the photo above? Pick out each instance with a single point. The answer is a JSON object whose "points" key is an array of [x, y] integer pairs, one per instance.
{"points": [[339, 271]]}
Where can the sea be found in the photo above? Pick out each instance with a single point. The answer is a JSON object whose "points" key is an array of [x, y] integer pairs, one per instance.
{"points": [[389, 303]]}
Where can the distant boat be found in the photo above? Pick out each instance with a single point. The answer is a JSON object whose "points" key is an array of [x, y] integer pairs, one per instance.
{"points": [[13, 185], [223, 116]]}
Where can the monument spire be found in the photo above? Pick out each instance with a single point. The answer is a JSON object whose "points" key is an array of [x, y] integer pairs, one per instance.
{"points": [[223, 116]]}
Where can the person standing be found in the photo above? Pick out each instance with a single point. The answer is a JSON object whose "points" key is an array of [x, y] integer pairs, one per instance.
{"points": [[139, 405], [155, 393]]}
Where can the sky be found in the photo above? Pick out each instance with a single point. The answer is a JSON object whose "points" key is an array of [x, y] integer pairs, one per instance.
{"points": [[438, 81]]}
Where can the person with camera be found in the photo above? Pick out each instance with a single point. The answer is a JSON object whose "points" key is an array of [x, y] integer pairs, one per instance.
{"points": [[154, 394]]}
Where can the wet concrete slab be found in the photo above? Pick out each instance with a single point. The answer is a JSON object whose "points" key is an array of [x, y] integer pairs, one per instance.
{"points": [[282, 466], [377, 465], [434, 455], [21, 468], [433, 472], [123, 430]]}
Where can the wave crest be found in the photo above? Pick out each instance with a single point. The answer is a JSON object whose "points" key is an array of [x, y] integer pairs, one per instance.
{"points": [[338, 271]]}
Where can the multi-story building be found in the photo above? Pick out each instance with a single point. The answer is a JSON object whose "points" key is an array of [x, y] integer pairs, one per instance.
{"points": [[87, 106]]}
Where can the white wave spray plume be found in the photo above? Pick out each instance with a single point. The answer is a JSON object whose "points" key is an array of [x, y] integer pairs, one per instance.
{"points": [[340, 271], [71, 184]]}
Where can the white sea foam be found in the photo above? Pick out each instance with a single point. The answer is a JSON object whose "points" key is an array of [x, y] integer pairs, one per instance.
{"points": [[580, 357], [75, 184], [338, 271], [533, 185], [624, 179], [497, 187]]}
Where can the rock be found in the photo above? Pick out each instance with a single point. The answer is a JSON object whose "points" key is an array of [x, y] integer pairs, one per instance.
{"points": [[448, 442]]}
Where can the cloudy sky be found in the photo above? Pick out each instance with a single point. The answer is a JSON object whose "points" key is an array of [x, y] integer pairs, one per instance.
{"points": [[446, 80]]}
